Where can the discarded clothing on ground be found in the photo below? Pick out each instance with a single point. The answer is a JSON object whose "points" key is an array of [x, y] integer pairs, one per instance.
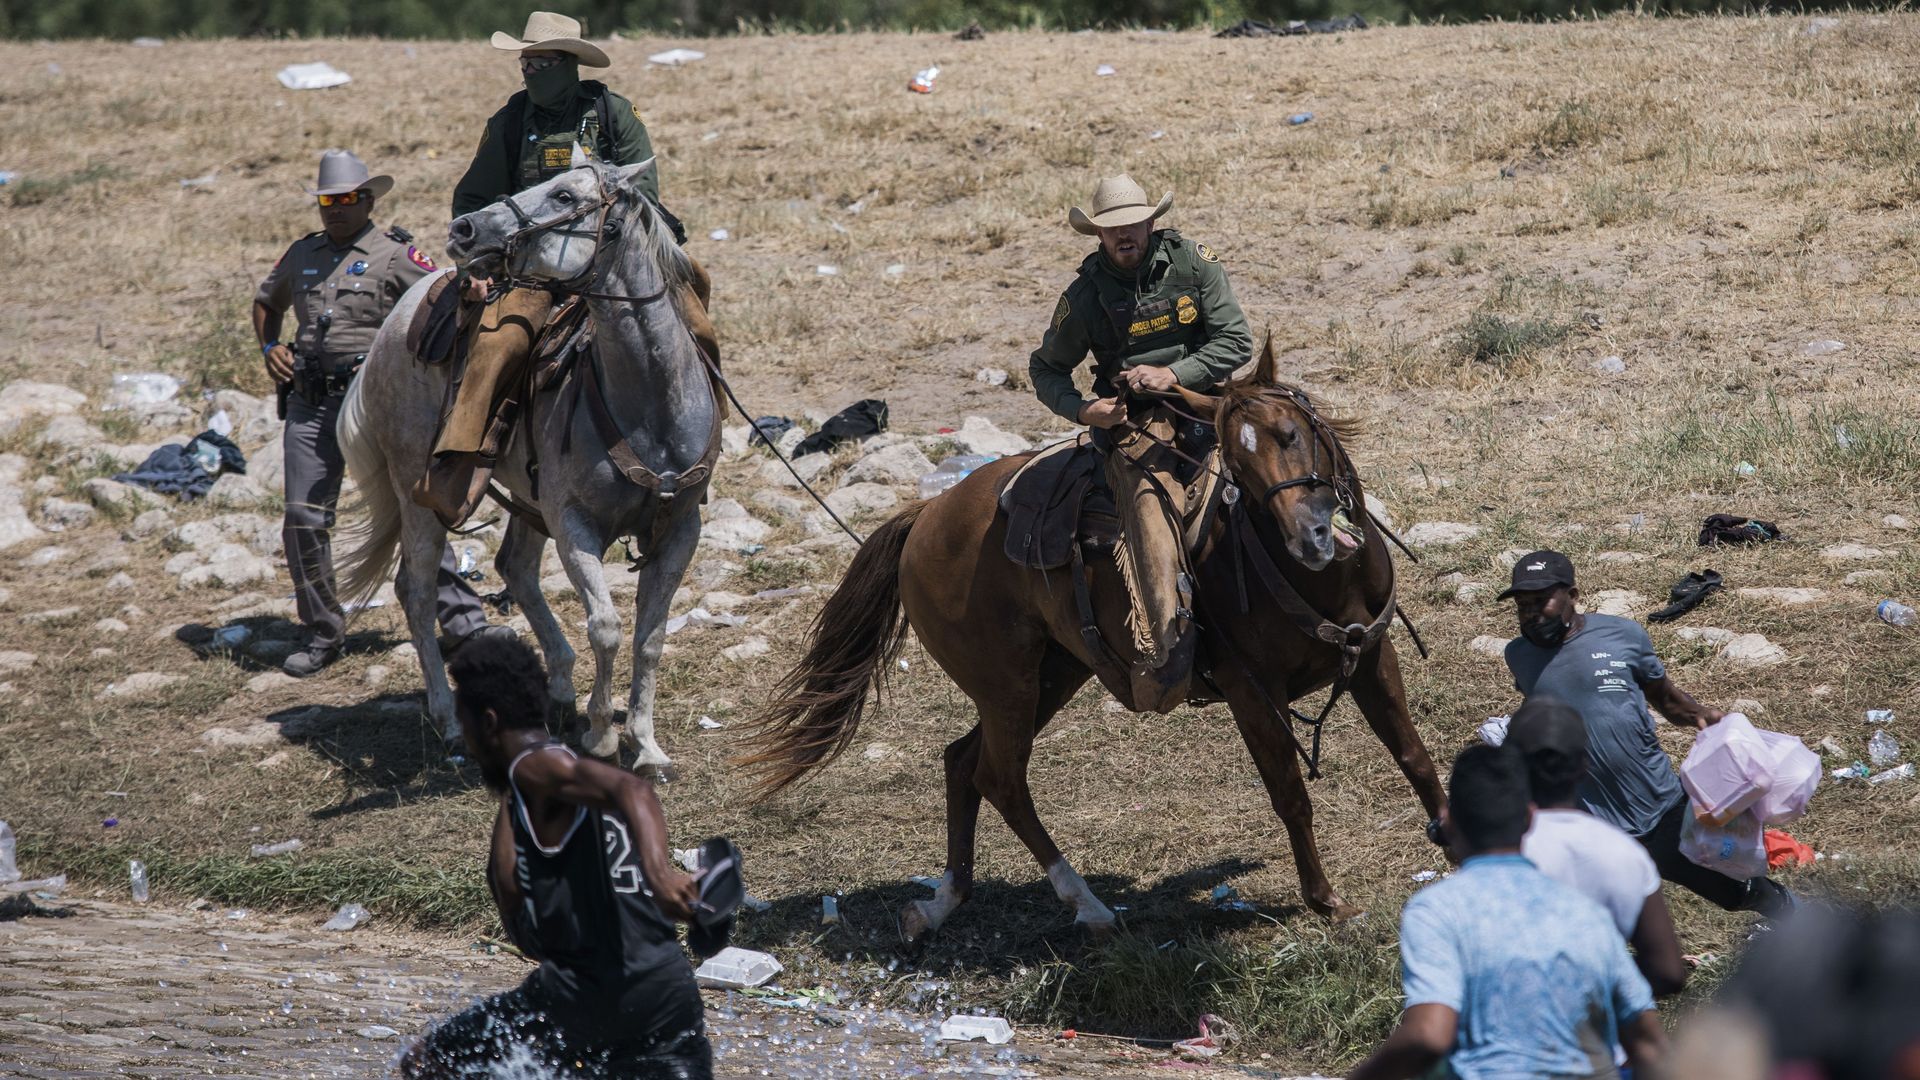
{"points": [[1784, 850], [768, 429], [856, 421], [974, 32], [177, 470], [1687, 594], [1258, 28], [1733, 529]]}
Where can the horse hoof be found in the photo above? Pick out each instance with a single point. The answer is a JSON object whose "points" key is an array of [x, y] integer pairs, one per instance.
{"points": [[648, 754], [602, 742], [1344, 912], [915, 923]]}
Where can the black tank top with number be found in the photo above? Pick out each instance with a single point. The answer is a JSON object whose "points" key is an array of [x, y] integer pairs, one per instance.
{"points": [[586, 906]]}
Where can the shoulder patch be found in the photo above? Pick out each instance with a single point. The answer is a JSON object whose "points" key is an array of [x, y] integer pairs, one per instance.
{"points": [[1061, 311], [400, 235], [1206, 253], [420, 259]]}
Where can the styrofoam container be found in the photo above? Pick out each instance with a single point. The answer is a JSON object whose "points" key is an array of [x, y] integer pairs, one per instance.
{"points": [[737, 969], [1729, 768], [993, 1029]]}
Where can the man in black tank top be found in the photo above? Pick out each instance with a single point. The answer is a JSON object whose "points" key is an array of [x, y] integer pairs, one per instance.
{"points": [[581, 873]]}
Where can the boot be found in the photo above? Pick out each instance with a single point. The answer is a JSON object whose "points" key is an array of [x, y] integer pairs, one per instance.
{"points": [[470, 433], [1151, 561]]}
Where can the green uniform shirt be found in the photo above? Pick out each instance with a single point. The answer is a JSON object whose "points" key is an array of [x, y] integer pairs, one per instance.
{"points": [[544, 148], [1177, 310], [358, 283]]}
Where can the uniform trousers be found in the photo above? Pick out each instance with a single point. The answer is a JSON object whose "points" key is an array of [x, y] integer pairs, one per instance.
{"points": [[314, 471]]}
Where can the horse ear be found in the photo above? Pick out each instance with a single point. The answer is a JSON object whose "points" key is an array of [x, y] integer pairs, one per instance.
{"points": [[1200, 403], [627, 174], [1263, 372], [578, 159]]}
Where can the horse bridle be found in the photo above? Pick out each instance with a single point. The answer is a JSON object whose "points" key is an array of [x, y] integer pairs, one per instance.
{"points": [[1322, 436], [607, 232]]}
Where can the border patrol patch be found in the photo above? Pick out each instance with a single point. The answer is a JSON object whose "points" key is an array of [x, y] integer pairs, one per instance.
{"points": [[1184, 309], [1206, 253], [420, 259], [1061, 311]]}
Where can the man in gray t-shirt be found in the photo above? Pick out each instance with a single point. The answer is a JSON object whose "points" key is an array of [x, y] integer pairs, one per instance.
{"points": [[1605, 667]]}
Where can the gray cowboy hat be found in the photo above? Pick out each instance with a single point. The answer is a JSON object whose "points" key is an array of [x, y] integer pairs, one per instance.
{"points": [[556, 32], [341, 172], [1117, 200]]}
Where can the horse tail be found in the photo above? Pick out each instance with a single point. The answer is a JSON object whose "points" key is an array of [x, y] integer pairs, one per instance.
{"points": [[370, 562], [817, 707]]}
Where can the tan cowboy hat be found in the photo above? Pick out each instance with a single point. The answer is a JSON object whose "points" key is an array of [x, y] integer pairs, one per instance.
{"points": [[550, 30], [1117, 200], [341, 172]]}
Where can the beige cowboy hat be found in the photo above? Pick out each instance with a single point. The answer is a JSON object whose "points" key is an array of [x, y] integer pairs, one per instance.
{"points": [[550, 30], [1117, 200], [341, 172]]}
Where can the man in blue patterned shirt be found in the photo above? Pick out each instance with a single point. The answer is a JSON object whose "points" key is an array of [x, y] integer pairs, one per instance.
{"points": [[1508, 974]]}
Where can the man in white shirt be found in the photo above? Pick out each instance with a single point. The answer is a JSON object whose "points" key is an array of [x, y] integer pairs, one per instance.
{"points": [[1585, 853]]}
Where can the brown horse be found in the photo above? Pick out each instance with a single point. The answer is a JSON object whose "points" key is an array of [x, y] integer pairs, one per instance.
{"points": [[1010, 637]]}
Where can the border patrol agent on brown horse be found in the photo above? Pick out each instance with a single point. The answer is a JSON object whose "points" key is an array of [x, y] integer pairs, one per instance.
{"points": [[340, 284], [1157, 312], [531, 140]]}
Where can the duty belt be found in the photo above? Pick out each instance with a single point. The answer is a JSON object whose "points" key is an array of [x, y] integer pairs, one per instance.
{"points": [[316, 386]]}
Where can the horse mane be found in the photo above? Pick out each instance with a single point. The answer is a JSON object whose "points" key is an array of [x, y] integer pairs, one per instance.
{"points": [[1247, 391], [674, 263]]}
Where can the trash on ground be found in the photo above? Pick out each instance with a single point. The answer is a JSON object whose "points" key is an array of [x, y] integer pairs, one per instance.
{"points": [[1895, 613], [994, 1029], [1883, 748], [1688, 593], [719, 234], [1822, 348], [700, 618], [1879, 716], [950, 472], [236, 914], [865, 417], [735, 968], [315, 76], [825, 270], [21, 906], [201, 181], [1424, 876], [1784, 850], [768, 429], [187, 470], [922, 81], [1261, 28], [1215, 1035], [1494, 731], [1300, 118], [147, 42], [1610, 365], [710, 723], [348, 917], [376, 1032], [1105, 70], [1856, 771], [992, 376], [137, 879], [829, 910], [894, 270], [284, 847], [1828, 746], [146, 388], [9, 870], [676, 57], [110, 823], [1904, 772], [1734, 529], [1745, 468]]}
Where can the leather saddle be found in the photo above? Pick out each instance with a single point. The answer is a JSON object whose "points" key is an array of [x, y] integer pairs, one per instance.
{"points": [[436, 329], [1059, 498]]}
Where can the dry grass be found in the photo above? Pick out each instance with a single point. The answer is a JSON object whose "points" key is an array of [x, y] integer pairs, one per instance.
{"points": [[1715, 192]]}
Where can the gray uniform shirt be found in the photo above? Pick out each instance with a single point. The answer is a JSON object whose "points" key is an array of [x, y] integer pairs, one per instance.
{"points": [[1599, 671]]}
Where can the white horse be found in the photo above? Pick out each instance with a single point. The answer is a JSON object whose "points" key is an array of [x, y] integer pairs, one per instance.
{"points": [[588, 231]]}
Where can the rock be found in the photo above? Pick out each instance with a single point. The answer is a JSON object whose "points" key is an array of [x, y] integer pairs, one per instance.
{"points": [[52, 615], [733, 440], [183, 562], [235, 491], [272, 761], [991, 376], [1852, 553], [161, 415], [6, 597], [1895, 521], [70, 432], [1378, 509], [1866, 577], [268, 681], [256, 532], [110, 626], [747, 650], [144, 684], [721, 601], [1507, 559], [228, 565], [781, 506], [47, 556], [790, 440], [59, 515], [1438, 533], [1712, 635], [22, 400], [1785, 597], [1488, 645], [902, 463], [729, 525], [1622, 602], [977, 435], [13, 660], [375, 675], [111, 562], [810, 468], [862, 500], [258, 733], [1753, 650], [149, 523], [1620, 558], [254, 422], [15, 528], [1747, 707], [107, 494], [267, 466], [404, 653], [710, 573], [556, 585]]}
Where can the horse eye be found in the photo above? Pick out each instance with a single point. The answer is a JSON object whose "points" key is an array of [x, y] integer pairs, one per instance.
{"points": [[1289, 436], [563, 197]]}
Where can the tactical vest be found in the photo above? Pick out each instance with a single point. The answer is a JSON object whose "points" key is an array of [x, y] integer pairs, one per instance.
{"points": [[543, 156], [1161, 327]]}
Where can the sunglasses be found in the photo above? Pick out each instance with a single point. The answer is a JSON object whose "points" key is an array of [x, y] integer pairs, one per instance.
{"points": [[348, 199], [533, 65]]}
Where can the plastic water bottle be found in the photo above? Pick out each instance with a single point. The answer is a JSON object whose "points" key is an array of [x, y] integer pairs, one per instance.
{"points": [[923, 80], [137, 877], [1883, 748], [1895, 613]]}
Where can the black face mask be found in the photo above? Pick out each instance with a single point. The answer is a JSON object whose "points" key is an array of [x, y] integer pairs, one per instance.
{"points": [[1545, 632]]}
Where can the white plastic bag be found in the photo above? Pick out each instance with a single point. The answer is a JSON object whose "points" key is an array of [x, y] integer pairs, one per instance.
{"points": [[1729, 768], [1737, 849], [1796, 774], [9, 872]]}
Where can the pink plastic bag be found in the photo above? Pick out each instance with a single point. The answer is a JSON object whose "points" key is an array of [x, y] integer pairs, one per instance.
{"points": [[1737, 849], [1796, 774], [1729, 768]]}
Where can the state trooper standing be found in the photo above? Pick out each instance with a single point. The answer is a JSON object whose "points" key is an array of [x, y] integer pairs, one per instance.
{"points": [[340, 283]]}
